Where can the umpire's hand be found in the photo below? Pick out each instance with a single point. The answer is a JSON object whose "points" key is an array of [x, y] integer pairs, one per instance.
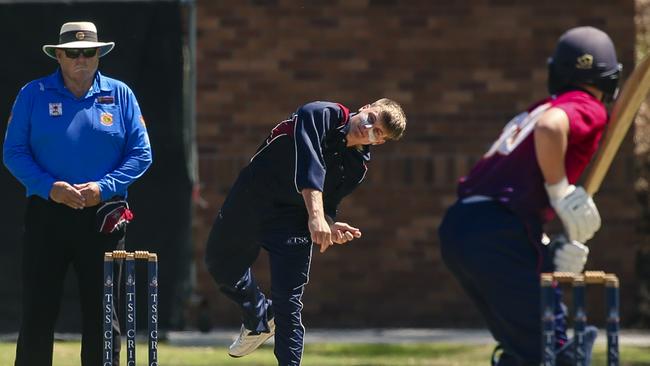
{"points": [[91, 193], [64, 193]]}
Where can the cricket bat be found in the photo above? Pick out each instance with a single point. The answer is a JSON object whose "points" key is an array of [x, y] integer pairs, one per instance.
{"points": [[633, 93]]}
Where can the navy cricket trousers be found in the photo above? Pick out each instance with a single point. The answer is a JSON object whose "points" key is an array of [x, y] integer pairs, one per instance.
{"points": [[58, 237], [233, 245], [497, 259]]}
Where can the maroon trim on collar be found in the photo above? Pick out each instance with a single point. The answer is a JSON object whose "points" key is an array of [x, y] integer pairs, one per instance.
{"points": [[346, 114]]}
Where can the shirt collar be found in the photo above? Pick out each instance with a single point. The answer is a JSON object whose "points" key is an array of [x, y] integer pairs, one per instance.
{"points": [[55, 81], [365, 149], [101, 84], [365, 152], [345, 127]]}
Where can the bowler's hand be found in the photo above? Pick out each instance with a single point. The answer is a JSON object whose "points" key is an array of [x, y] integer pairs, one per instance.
{"points": [[91, 192], [320, 231], [343, 233], [64, 193]]}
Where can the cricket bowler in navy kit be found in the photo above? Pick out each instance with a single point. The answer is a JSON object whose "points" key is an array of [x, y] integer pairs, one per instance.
{"points": [[491, 238], [285, 200]]}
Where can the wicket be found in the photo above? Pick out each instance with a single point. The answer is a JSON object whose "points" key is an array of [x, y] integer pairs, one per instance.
{"points": [[578, 282], [152, 271]]}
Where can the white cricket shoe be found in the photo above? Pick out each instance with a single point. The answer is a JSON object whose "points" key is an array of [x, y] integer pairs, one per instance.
{"points": [[248, 341]]}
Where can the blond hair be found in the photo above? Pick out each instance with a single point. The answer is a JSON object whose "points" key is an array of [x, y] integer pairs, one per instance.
{"points": [[392, 114]]}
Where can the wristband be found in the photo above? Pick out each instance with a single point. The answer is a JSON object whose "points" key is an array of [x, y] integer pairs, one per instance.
{"points": [[558, 190]]}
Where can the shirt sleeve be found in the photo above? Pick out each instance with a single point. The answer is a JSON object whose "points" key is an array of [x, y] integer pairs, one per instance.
{"points": [[17, 153], [586, 125], [313, 121], [137, 151]]}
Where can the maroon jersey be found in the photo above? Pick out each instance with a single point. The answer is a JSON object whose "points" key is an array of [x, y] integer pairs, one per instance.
{"points": [[509, 171]]}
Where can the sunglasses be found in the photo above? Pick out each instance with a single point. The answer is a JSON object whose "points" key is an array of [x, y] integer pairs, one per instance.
{"points": [[76, 52]]}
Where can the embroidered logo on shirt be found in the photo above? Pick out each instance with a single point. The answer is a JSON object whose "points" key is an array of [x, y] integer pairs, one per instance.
{"points": [[106, 99], [298, 240], [106, 119], [56, 109]]}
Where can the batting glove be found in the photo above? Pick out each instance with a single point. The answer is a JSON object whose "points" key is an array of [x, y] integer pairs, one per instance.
{"points": [[569, 256], [575, 208]]}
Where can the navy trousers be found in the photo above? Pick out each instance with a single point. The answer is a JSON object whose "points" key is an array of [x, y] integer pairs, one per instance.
{"points": [[234, 243], [58, 237], [498, 258]]}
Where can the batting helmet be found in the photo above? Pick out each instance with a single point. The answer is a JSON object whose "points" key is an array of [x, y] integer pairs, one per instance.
{"points": [[584, 55]]}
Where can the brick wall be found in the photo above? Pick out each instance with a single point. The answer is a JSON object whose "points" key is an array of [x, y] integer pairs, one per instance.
{"points": [[642, 183], [461, 69]]}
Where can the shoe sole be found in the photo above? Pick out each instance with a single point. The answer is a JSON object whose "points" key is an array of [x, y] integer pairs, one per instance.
{"points": [[253, 350]]}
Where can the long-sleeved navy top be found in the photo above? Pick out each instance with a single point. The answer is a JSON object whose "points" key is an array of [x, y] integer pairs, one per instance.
{"points": [[309, 150]]}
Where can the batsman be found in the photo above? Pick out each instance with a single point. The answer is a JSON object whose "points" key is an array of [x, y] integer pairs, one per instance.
{"points": [[492, 237]]}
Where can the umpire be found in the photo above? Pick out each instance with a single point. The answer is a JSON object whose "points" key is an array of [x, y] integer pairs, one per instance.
{"points": [[76, 140]]}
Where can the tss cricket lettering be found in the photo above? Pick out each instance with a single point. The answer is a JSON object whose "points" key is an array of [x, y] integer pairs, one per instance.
{"points": [[578, 281], [130, 291]]}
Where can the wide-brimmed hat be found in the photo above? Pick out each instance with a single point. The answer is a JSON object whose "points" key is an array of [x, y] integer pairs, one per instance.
{"points": [[78, 35]]}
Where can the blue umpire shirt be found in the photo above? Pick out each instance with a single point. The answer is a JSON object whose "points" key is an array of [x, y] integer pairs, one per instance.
{"points": [[53, 136]]}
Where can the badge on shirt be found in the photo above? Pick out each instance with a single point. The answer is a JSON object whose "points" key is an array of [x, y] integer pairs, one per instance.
{"points": [[56, 109], [106, 99], [106, 119]]}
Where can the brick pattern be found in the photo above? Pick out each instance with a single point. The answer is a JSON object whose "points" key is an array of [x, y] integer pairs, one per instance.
{"points": [[642, 181], [461, 69]]}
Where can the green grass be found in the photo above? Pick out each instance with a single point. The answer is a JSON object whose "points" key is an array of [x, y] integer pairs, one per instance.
{"points": [[330, 354]]}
